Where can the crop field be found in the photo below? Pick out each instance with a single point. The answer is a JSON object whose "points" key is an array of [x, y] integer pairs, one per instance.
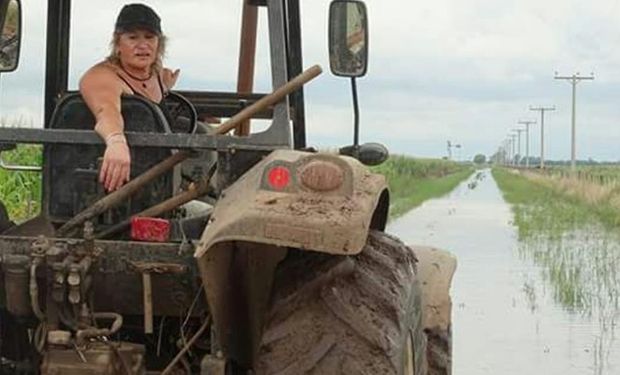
{"points": [[21, 191], [412, 180], [601, 174]]}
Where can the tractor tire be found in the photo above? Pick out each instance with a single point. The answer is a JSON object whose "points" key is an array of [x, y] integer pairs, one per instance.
{"points": [[333, 314], [439, 351]]}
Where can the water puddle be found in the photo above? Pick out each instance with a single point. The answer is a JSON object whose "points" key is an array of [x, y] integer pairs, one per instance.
{"points": [[545, 301]]}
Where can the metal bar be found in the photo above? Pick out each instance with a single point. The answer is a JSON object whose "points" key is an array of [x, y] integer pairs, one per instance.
{"points": [[57, 52], [164, 140], [225, 104], [280, 130], [132, 251], [247, 58], [18, 168], [295, 66]]}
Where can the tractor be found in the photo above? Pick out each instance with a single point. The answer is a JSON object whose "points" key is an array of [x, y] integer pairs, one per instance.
{"points": [[244, 253]]}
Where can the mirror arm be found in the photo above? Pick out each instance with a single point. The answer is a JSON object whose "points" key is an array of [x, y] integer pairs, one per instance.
{"points": [[356, 112]]}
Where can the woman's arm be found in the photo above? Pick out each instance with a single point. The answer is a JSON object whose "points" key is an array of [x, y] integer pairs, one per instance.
{"points": [[102, 90]]}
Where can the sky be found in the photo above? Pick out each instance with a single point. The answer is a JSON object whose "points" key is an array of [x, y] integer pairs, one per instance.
{"points": [[464, 71]]}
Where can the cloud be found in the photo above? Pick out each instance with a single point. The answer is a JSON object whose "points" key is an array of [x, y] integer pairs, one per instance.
{"points": [[446, 69]]}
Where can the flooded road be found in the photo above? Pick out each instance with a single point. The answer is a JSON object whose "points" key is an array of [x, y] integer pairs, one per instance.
{"points": [[541, 302]]}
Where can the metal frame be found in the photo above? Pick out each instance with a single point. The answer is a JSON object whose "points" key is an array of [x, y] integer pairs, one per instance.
{"points": [[285, 49]]}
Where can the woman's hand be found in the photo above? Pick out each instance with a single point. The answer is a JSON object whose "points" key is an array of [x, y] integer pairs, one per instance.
{"points": [[169, 77], [116, 163]]}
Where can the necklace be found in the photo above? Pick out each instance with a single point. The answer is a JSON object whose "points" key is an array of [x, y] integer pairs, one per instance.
{"points": [[141, 80]]}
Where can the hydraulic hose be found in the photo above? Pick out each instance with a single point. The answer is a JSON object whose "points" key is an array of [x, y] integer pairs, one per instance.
{"points": [[34, 290]]}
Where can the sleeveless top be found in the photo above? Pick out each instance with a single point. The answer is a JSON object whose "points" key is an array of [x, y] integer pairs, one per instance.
{"points": [[160, 104]]}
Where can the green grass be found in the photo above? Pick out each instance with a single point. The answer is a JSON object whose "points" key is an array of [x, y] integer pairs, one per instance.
{"points": [[413, 181], [536, 206], [21, 191], [575, 244]]}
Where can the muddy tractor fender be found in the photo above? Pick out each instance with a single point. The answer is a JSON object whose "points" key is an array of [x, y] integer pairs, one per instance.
{"points": [[332, 216], [291, 199]]}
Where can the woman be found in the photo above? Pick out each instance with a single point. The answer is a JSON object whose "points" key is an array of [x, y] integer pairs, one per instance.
{"points": [[133, 67]]}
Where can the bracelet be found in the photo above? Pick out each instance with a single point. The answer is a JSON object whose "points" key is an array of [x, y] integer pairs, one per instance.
{"points": [[116, 137]]}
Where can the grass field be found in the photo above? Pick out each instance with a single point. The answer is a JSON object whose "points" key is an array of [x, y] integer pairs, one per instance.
{"points": [[565, 202], [412, 181], [21, 191]]}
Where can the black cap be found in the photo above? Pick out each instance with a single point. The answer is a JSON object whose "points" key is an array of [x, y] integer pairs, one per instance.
{"points": [[134, 16]]}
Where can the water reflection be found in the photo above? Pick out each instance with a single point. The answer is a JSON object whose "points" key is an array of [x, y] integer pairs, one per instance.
{"points": [[581, 266], [540, 297]]}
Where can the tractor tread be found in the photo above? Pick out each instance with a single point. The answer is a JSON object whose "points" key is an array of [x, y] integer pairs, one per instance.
{"points": [[335, 314]]}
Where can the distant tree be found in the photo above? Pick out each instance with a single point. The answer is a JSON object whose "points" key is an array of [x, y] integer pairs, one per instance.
{"points": [[480, 159]]}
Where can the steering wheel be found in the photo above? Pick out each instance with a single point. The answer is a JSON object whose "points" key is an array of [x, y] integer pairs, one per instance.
{"points": [[183, 116]]}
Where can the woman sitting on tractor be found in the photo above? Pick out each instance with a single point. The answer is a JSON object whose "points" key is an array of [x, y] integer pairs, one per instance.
{"points": [[133, 67]]}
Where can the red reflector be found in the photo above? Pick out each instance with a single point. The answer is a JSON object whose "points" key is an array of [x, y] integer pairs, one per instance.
{"points": [[150, 229], [279, 177]]}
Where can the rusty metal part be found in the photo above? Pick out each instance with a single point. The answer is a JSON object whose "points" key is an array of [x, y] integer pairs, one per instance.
{"points": [[187, 346], [58, 337], [147, 286], [146, 268], [16, 283], [37, 226], [96, 358], [153, 267], [175, 291], [117, 322], [213, 364], [34, 290], [247, 57]]}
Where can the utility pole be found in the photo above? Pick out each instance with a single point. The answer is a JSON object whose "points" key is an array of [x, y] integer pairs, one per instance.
{"points": [[574, 80], [527, 124], [542, 111], [449, 150], [519, 131], [512, 157]]}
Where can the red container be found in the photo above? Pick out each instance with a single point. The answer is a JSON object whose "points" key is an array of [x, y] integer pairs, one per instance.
{"points": [[150, 229]]}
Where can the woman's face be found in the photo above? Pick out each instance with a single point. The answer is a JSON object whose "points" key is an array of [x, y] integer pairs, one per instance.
{"points": [[138, 49]]}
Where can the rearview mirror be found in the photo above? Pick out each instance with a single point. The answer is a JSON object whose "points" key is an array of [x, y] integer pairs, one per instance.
{"points": [[10, 13], [348, 38]]}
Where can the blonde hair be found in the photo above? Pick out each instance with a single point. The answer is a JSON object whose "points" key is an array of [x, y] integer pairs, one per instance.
{"points": [[157, 66]]}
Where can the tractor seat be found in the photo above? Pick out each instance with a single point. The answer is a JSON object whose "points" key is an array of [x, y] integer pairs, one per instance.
{"points": [[71, 170]]}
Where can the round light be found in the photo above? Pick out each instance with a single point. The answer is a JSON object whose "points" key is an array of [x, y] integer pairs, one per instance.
{"points": [[279, 178], [322, 176]]}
